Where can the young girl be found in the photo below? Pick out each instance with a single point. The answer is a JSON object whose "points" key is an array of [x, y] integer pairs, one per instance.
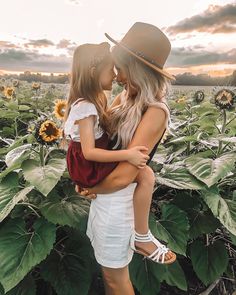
{"points": [[90, 157]]}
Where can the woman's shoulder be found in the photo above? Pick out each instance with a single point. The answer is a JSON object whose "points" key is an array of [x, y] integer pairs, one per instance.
{"points": [[158, 113], [160, 105]]}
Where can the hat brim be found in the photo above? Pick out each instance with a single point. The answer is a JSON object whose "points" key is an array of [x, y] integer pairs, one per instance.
{"points": [[166, 74]]}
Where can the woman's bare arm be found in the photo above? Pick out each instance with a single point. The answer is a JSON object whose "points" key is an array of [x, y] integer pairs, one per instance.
{"points": [[148, 132]]}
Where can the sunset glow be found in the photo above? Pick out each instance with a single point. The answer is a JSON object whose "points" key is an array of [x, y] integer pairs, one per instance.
{"points": [[202, 33]]}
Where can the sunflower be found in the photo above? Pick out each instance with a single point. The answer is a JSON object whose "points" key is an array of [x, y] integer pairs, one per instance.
{"points": [[36, 86], [47, 132], [16, 83], [181, 99], [9, 92], [224, 98], [59, 109], [199, 96]]}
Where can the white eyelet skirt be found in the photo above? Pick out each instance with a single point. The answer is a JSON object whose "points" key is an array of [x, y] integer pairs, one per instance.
{"points": [[110, 225]]}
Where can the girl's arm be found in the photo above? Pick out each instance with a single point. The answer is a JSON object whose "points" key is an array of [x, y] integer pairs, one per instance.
{"points": [[148, 133], [90, 152]]}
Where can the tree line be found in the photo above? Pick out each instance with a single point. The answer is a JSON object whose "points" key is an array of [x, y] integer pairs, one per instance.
{"points": [[181, 79]]}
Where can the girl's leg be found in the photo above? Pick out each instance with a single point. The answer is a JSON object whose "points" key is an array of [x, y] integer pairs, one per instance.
{"points": [[143, 198], [117, 281], [142, 203]]}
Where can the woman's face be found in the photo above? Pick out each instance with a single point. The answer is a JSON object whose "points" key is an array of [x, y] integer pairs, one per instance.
{"points": [[121, 78]]}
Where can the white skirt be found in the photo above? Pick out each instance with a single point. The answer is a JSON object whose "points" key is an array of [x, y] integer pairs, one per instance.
{"points": [[110, 225]]}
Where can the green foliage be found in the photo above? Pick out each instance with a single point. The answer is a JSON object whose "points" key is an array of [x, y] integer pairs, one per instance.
{"points": [[173, 228], [44, 178], [22, 248], [209, 261], [43, 246]]}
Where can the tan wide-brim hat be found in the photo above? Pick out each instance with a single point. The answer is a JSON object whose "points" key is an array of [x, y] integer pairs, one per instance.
{"points": [[148, 44]]}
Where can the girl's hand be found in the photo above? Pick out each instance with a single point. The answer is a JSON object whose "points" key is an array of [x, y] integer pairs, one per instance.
{"points": [[84, 192], [137, 156]]}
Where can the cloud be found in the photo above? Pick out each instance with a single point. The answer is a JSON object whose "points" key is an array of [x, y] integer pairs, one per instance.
{"points": [[20, 60], [7, 44], [216, 19], [185, 57], [68, 45], [39, 43], [75, 2]]}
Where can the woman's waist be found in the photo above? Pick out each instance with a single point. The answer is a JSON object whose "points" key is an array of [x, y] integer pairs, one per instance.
{"points": [[124, 193]]}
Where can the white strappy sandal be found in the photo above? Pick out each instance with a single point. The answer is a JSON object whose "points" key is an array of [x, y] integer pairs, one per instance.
{"points": [[155, 256]]}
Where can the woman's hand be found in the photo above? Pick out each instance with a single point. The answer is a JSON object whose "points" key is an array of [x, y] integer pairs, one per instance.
{"points": [[84, 192], [137, 156]]}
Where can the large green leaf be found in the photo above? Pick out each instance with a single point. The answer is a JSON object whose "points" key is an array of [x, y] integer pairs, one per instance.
{"points": [[26, 287], [72, 211], [9, 194], [22, 249], [210, 171], [233, 238], [8, 170], [174, 276], [17, 155], [228, 139], [13, 144], [69, 273], [209, 262], [8, 199], [146, 276], [183, 139], [223, 209], [201, 222], [46, 177], [8, 114], [177, 176], [172, 228]]}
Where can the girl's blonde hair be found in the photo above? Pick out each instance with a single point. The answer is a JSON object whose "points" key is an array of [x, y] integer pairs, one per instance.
{"points": [[151, 89], [84, 84]]}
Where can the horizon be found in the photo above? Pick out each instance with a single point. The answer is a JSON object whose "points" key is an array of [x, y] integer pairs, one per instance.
{"points": [[202, 33]]}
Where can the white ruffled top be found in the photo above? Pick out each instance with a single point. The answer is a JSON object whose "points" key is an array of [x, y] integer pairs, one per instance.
{"points": [[80, 110]]}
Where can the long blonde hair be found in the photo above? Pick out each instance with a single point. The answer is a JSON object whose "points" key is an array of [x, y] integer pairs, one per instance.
{"points": [[151, 89], [85, 85]]}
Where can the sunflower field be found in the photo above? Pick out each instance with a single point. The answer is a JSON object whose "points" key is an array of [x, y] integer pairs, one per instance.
{"points": [[43, 246]]}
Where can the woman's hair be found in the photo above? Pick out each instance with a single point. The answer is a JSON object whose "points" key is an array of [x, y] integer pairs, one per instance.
{"points": [[151, 88], [85, 85]]}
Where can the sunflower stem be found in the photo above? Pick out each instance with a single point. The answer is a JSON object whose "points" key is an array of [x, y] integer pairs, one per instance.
{"points": [[222, 131], [41, 154]]}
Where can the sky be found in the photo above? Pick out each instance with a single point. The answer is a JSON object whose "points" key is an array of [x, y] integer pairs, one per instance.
{"points": [[40, 35]]}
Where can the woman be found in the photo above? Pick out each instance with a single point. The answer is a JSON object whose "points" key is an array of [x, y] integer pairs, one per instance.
{"points": [[139, 117]]}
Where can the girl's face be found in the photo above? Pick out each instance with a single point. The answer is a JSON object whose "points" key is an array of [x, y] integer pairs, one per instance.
{"points": [[107, 76]]}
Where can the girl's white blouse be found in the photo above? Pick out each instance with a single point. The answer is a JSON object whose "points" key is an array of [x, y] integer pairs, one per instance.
{"points": [[80, 110]]}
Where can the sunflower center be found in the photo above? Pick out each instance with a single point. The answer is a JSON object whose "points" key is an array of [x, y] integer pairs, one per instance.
{"points": [[51, 130]]}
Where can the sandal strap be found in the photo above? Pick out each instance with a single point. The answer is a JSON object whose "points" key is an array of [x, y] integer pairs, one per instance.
{"points": [[161, 250], [143, 237]]}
